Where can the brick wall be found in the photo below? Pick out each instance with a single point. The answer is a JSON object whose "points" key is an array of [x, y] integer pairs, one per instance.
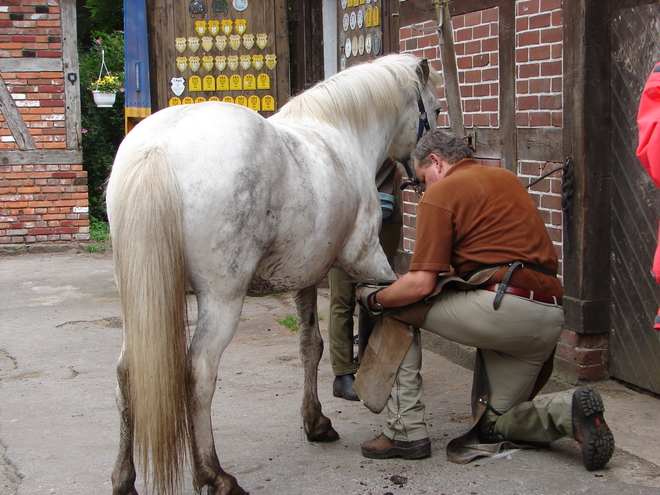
{"points": [[539, 44], [38, 202]]}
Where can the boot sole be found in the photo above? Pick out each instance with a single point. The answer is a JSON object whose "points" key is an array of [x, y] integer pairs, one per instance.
{"points": [[418, 452], [599, 447]]}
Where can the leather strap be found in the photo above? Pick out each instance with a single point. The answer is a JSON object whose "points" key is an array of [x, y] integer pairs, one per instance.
{"points": [[504, 283]]}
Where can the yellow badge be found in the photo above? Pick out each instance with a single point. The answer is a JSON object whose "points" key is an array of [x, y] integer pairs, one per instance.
{"points": [[222, 83], [200, 99], [361, 2], [207, 43], [262, 40], [232, 61], [257, 61], [227, 26], [209, 83], [214, 98], [228, 99], [240, 26], [249, 81], [248, 41], [181, 63], [174, 101], [271, 61], [241, 100], [235, 41], [254, 103], [376, 21], [221, 43], [188, 101], [200, 27], [207, 63], [220, 62], [193, 43], [246, 62], [180, 44], [263, 81], [350, 3], [268, 103], [214, 27], [235, 83], [195, 83], [368, 17], [194, 63]]}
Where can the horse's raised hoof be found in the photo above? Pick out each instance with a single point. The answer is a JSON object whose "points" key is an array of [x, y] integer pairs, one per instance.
{"points": [[220, 488], [323, 432]]}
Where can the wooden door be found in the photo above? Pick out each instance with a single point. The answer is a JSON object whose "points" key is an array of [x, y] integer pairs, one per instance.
{"points": [[635, 297], [239, 53]]}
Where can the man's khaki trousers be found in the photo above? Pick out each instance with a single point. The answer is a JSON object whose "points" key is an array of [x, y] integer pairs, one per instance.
{"points": [[514, 340]]}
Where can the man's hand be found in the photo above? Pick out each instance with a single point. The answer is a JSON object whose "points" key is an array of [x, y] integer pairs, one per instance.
{"points": [[362, 295]]}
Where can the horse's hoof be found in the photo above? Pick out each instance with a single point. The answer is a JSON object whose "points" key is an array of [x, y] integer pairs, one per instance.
{"points": [[237, 490], [326, 437], [220, 488], [323, 432]]}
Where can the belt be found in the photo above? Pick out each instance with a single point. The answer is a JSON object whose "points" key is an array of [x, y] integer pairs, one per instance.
{"points": [[527, 294]]}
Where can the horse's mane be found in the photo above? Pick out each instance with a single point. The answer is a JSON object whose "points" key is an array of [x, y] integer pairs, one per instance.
{"points": [[360, 93]]}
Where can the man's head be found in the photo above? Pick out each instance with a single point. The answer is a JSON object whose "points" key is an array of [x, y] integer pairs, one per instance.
{"points": [[436, 153]]}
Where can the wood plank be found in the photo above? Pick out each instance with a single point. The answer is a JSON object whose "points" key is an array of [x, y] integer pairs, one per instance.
{"points": [[507, 58], [540, 144], [586, 227], [71, 70], [14, 119], [450, 72], [41, 157], [418, 11], [31, 65], [534, 143]]}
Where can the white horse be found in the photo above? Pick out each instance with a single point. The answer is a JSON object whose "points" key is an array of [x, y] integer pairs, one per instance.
{"points": [[215, 196]]}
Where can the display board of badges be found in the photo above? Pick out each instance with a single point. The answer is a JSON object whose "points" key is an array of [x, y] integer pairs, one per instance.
{"points": [[226, 51], [360, 31]]}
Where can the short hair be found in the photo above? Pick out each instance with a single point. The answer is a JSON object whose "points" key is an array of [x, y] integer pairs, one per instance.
{"points": [[448, 146]]}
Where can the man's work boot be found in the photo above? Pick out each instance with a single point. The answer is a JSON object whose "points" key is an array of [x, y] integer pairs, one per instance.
{"points": [[382, 447], [590, 429], [342, 387]]}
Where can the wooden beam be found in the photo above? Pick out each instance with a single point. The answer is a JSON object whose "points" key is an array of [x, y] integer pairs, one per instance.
{"points": [[586, 68], [30, 65], [507, 56], [535, 143], [14, 119], [71, 75], [40, 157], [417, 11], [450, 70]]}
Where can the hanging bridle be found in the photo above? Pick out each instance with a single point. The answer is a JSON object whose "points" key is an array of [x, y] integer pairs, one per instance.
{"points": [[423, 127]]}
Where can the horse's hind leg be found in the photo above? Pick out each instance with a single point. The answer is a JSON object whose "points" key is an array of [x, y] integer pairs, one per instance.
{"points": [[217, 322], [123, 476], [317, 427]]}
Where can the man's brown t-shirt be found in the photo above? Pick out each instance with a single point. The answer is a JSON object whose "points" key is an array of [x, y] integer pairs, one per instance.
{"points": [[476, 216]]}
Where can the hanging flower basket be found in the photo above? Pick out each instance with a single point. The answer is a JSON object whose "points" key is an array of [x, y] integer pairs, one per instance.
{"points": [[104, 99], [105, 88]]}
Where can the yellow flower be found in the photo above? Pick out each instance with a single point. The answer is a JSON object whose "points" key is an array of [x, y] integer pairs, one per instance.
{"points": [[107, 83]]}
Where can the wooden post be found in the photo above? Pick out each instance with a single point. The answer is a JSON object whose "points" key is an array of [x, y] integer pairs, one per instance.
{"points": [[586, 130], [449, 67]]}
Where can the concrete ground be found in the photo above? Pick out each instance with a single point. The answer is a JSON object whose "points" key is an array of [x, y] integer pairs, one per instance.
{"points": [[59, 340]]}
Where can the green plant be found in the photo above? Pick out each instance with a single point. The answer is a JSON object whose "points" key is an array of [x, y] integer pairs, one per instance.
{"points": [[99, 234], [98, 230], [108, 84], [291, 322], [102, 128]]}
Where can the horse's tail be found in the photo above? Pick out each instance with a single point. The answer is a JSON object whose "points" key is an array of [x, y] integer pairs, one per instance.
{"points": [[147, 237]]}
